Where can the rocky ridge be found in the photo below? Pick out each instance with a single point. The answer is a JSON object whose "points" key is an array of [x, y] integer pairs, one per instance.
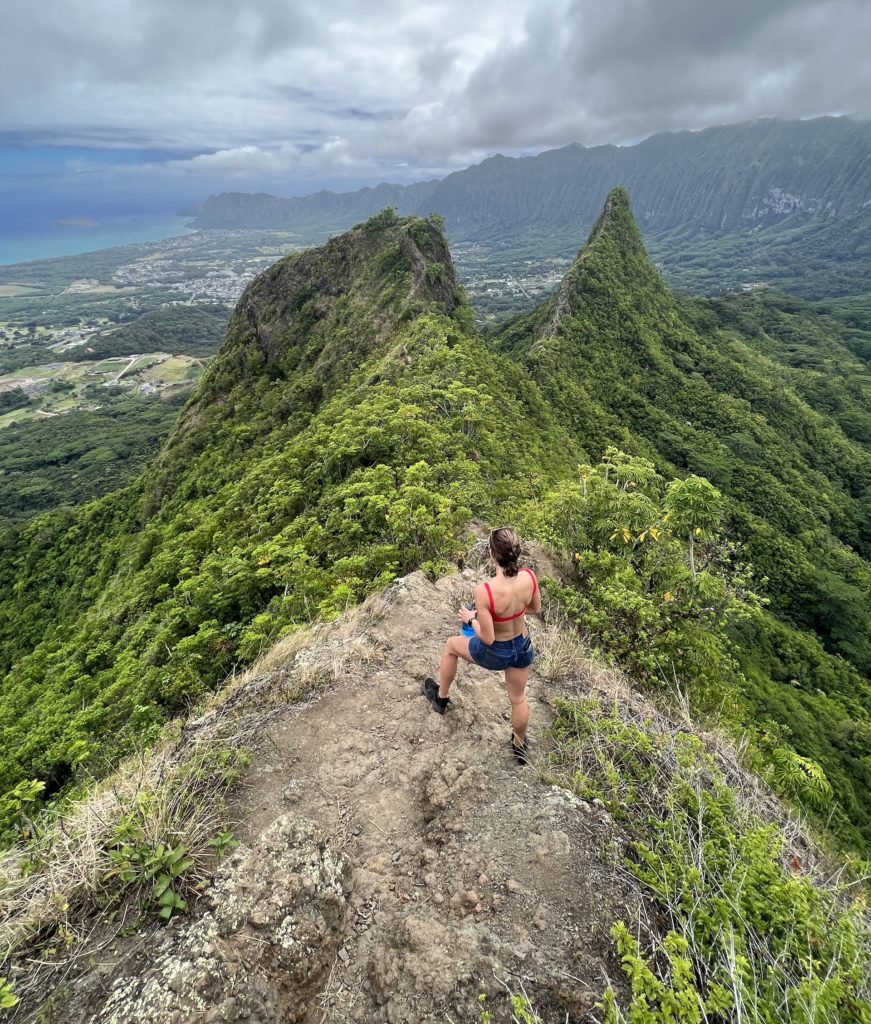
{"points": [[395, 865]]}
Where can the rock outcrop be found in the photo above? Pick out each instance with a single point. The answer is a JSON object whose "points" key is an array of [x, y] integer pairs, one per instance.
{"points": [[259, 952]]}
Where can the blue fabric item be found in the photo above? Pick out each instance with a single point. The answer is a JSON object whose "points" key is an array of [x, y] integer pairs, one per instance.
{"points": [[502, 654]]}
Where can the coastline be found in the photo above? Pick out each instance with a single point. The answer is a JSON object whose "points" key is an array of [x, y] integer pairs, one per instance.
{"points": [[70, 240]]}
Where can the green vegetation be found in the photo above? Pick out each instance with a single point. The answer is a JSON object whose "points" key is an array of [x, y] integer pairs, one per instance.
{"points": [[139, 846], [351, 426], [815, 258], [90, 415], [135, 849], [522, 1011], [749, 934], [823, 350], [293, 485], [14, 399], [73, 458], [184, 330], [623, 363], [159, 870], [651, 580], [8, 999]]}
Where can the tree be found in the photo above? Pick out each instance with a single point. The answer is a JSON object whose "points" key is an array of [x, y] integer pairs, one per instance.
{"points": [[693, 510]]}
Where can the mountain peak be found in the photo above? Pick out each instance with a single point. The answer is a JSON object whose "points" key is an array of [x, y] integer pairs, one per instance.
{"points": [[612, 265], [305, 324], [383, 271], [616, 206]]}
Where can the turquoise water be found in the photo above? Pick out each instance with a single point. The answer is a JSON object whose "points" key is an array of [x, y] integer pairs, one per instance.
{"points": [[68, 241]]}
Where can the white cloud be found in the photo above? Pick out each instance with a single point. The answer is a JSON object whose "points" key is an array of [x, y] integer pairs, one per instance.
{"points": [[243, 160], [271, 87]]}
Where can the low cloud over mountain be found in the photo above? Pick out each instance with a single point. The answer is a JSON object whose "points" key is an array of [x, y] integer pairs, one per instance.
{"points": [[283, 93]]}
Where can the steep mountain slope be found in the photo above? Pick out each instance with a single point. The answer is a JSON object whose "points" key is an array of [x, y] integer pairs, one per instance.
{"points": [[780, 201], [342, 435], [824, 349], [622, 362], [353, 424], [720, 179]]}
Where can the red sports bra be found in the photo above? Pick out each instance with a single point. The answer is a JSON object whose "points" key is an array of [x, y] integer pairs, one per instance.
{"points": [[508, 618]]}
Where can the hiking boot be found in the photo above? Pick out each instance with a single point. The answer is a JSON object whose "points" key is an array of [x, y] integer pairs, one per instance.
{"points": [[520, 750], [431, 692]]}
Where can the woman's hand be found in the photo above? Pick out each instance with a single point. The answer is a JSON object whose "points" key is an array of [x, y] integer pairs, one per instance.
{"points": [[465, 615]]}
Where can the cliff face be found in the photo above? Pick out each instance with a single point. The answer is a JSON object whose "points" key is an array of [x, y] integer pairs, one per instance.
{"points": [[780, 202]]}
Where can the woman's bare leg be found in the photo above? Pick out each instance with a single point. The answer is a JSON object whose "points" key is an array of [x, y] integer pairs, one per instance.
{"points": [[515, 681], [456, 647]]}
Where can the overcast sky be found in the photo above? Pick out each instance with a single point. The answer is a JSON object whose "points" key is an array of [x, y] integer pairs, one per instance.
{"points": [[185, 97]]}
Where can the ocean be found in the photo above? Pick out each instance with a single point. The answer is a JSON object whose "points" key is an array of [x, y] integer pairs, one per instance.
{"points": [[68, 240]]}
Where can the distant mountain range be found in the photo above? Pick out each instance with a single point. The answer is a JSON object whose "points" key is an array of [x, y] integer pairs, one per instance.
{"points": [[793, 198]]}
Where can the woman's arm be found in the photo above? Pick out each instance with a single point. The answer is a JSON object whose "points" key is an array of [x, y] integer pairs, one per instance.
{"points": [[483, 626], [535, 600]]}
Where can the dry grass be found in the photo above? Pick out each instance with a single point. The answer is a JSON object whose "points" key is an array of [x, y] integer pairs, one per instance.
{"points": [[55, 889], [52, 888], [70, 856], [564, 658]]}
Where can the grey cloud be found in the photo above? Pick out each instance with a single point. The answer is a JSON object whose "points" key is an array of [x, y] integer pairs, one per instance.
{"points": [[277, 85], [636, 30], [595, 72]]}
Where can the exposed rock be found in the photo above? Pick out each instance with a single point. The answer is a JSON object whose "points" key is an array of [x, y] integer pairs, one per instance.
{"points": [[277, 914]]}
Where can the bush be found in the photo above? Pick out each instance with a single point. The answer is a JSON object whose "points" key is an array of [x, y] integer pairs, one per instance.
{"points": [[651, 582], [748, 934]]}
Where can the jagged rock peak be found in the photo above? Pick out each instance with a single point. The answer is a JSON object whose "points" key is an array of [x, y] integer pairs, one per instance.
{"points": [[386, 260], [612, 261], [332, 306]]}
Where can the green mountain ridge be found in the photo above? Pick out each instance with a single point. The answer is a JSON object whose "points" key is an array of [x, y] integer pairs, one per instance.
{"points": [[754, 172], [785, 202], [353, 424], [621, 362]]}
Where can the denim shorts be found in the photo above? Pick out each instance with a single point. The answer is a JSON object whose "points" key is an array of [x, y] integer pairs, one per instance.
{"points": [[502, 654]]}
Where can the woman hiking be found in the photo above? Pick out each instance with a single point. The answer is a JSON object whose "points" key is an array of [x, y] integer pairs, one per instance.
{"points": [[501, 642]]}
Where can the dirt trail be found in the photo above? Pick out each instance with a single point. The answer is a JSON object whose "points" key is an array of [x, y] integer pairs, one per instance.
{"points": [[395, 863]]}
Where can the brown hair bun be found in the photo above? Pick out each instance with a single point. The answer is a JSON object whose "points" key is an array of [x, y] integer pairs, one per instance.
{"points": [[505, 545]]}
